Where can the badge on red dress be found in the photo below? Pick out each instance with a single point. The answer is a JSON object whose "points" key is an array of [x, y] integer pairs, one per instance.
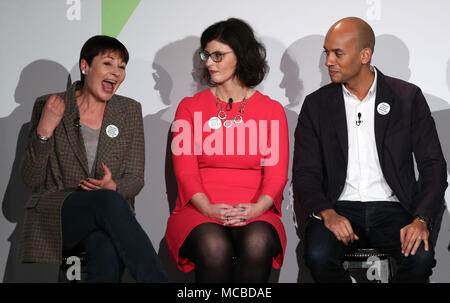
{"points": [[215, 123]]}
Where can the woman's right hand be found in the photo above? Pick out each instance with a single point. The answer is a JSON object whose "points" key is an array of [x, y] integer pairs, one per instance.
{"points": [[51, 116], [218, 212]]}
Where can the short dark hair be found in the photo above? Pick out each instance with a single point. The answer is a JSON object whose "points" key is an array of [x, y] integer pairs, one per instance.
{"points": [[251, 66], [101, 44]]}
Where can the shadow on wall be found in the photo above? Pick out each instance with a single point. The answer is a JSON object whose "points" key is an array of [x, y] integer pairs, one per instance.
{"points": [[176, 75], [442, 119], [447, 200], [303, 67], [38, 78], [391, 56]]}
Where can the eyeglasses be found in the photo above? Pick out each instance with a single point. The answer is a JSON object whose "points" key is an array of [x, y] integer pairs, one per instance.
{"points": [[215, 56]]}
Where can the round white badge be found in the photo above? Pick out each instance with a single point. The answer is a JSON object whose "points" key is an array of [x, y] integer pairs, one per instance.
{"points": [[112, 131], [383, 108], [214, 123]]}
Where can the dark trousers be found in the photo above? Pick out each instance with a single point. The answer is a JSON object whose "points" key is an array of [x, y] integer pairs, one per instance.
{"points": [[103, 224], [377, 224]]}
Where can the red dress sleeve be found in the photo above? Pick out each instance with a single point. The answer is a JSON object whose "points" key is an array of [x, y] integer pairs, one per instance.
{"points": [[275, 163], [185, 162]]}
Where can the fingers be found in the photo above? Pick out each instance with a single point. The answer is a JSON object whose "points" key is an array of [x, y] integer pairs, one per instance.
{"points": [[425, 241], [56, 105], [106, 170], [237, 221], [409, 244], [218, 212], [402, 238], [411, 239], [342, 229], [107, 176], [242, 212], [416, 245], [51, 115], [90, 184], [350, 236], [237, 215]]}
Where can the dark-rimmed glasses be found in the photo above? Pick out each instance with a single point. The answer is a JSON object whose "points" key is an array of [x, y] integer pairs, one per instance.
{"points": [[215, 56]]}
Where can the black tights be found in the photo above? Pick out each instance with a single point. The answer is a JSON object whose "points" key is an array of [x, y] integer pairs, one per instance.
{"points": [[232, 254]]}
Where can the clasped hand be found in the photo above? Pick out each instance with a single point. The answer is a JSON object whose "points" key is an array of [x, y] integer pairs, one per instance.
{"points": [[237, 215]]}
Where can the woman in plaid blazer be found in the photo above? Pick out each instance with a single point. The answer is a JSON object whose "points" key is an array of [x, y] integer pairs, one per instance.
{"points": [[85, 164]]}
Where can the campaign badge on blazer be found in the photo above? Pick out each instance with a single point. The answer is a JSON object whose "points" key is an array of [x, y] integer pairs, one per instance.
{"points": [[383, 108], [112, 131]]}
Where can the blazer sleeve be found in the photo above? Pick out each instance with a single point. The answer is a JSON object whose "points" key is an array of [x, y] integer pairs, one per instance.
{"points": [[308, 166], [35, 160], [430, 160], [275, 164], [131, 180], [185, 161]]}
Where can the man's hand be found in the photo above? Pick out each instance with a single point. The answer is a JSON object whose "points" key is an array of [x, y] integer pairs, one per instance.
{"points": [[339, 226], [412, 235], [105, 183]]}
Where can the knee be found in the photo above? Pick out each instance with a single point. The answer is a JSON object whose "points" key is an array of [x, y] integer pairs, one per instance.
{"points": [[420, 265], [215, 253], [258, 247], [319, 258], [109, 200]]}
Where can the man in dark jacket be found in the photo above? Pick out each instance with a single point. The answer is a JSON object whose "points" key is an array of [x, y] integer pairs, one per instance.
{"points": [[353, 163]]}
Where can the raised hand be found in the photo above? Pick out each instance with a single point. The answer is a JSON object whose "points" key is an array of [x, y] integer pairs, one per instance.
{"points": [[51, 116]]}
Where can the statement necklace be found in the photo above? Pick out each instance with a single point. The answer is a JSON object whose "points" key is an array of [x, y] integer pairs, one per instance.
{"points": [[216, 122]]}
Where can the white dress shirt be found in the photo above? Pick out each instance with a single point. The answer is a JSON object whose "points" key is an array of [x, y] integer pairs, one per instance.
{"points": [[364, 181]]}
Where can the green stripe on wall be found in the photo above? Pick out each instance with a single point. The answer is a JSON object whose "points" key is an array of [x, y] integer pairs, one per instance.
{"points": [[115, 14]]}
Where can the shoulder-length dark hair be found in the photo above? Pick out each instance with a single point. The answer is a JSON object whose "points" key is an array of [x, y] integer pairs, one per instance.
{"points": [[101, 44], [251, 66]]}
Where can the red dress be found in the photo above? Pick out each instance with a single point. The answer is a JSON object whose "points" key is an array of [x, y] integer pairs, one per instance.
{"points": [[230, 165]]}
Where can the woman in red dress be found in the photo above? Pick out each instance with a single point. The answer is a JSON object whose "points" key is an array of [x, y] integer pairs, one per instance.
{"points": [[230, 155]]}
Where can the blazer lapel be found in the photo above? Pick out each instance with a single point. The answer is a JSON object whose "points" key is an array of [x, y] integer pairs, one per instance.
{"points": [[71, 121], [112, 121], [339, 119], [384, 108]]}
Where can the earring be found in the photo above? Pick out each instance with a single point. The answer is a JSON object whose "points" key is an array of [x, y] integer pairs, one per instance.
{"points": [[83, 72]]}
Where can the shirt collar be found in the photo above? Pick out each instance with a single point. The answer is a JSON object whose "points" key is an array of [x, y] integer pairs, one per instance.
{"points": [[373, 88]]}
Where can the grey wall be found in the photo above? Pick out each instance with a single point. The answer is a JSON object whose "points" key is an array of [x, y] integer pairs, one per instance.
{"points": [[40, 49]]}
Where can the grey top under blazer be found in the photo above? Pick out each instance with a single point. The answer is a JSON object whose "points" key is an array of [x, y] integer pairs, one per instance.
{"points": [[54, 169]]}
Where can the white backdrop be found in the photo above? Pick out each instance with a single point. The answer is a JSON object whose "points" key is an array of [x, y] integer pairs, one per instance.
{"points": [[41, 41]]}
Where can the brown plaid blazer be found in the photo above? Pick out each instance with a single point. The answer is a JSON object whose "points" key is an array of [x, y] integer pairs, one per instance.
{"points": [[54, 169]]}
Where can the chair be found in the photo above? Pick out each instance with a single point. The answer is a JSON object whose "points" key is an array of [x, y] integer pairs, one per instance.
{"points": [[368, 265]]}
